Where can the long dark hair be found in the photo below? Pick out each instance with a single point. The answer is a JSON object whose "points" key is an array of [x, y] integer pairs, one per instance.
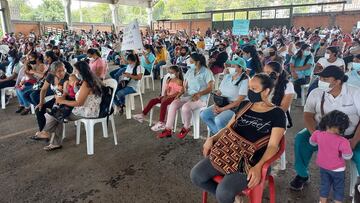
{"points": [[281, 83], [265, 80], [255, 61], [300, 53], [51, 55], [87, 75], [94, 51], [148, 46], [177, 70], [200, 58], [134, 58]]}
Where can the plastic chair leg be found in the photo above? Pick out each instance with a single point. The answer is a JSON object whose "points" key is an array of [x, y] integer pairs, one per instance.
{"points": [[142, 87], [90, 137], [113, 128], [128, 107], [105, 129], [32, 109], [3, 98], [132, 101], [196, 123], [271, 189], [153, 83], [151, 117], [147, 83], [303, 97], [78, 126], [204, 197], [63, 131], [176, 119], [141, 102], [283, 161], [353, 177]]}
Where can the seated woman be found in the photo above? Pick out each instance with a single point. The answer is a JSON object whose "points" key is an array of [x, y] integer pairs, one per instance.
{"points": [[12, 70], [25, 84], [86, 104], [197, 86], [54, 81], [173, 87], [128, 82], [147, 59], [218, 59], [234, 88], [97, 64], [301, 66], [262, 121], [252, 59], [354, 74]]}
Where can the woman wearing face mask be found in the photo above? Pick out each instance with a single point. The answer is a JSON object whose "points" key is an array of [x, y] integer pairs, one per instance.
{"points": [[272, 55], [97, 64], [148, 58], [132, 74], [198, 83], [160, 60], [333, 93], [252, 60], [86, 104], [54, 82], [281, 48], [183, 60], [234, 88], [11, 71], [321, 51], [218, 59], [354, 74], [172, 88], [261, 120], [301, 66]]}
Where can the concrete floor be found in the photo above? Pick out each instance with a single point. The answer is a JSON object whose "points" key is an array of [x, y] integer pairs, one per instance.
{"points": [[141, 168]]}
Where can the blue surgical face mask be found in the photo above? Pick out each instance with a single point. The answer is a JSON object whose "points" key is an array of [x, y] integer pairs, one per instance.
{"points": [[307, 53], [11, 59], [356, 66]]}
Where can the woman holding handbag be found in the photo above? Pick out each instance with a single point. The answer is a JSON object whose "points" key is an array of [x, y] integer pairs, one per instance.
{"points": [[232, 91], [255, 132]]}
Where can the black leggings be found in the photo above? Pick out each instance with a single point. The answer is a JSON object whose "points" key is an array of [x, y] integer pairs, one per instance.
{"points": [[40, 114]]}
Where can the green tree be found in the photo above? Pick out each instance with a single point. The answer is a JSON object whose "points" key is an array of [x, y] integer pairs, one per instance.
{"points": [[49, 10]]}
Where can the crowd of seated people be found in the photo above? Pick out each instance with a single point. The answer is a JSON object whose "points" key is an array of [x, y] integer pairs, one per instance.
{"points": [[262, 74]]}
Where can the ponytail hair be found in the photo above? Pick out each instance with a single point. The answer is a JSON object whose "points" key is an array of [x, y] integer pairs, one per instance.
{"points": [[281, 84], [179, 71], [199, 58]]}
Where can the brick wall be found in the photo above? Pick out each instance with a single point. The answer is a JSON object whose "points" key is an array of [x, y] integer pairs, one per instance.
{"points": [[188, 25]]}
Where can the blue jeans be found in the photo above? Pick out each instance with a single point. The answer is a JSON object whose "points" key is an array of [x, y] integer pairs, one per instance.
{"points": [[334, 180], [156, 69], [304, 150], [115, 74], [20, 95], [120, 95], [214, 121]]}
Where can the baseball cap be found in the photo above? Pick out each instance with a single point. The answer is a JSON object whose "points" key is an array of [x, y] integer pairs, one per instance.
{"points": [[240, 62], [332, 71]]}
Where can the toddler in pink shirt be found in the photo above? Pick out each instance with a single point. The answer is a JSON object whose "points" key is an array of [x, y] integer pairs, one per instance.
{"points": [[334, 149]]}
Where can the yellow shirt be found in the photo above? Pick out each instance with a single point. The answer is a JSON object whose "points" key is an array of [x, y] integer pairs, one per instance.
{"points": [[200, 45], [161, 56]]}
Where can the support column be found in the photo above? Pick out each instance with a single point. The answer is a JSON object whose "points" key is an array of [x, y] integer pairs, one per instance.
{"points": [[81, 14], [115, 15], [5, 17], [67, 8], [149, 11]]}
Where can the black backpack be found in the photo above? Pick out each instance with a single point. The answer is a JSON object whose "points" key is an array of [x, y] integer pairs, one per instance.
{"points": [[105, 109]]}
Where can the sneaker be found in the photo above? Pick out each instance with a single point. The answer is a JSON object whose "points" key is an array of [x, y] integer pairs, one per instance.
{"points": [[25, 112], [183, 133], [139, 117], [20, 109], [7, 100], [165, 133], [298, 183], [159, 126]]}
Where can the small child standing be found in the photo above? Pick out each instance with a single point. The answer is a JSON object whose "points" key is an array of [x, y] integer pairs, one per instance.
{"points": [[334, 149]]}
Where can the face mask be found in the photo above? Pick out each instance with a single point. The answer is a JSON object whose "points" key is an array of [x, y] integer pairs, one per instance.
{"points": [[192, 66], [32, 62], [307, 53], [11, 59], [356, 66], [38, 49], [172, 76], [232, 71], [324, 86], [322, 44], [254, 97], [327, 56], [263, 46], [245, 57], [78, 76], [272, 53], [183, 54]]}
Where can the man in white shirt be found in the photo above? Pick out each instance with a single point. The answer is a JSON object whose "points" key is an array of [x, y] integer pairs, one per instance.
{"points": [[332, 94]]}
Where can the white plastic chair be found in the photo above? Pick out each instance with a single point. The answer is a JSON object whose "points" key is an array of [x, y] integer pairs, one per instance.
{"points": [[130, 100], [3, 95], [353, 177], [147, 79], [217, 80], [90, 123], [48, 98]]}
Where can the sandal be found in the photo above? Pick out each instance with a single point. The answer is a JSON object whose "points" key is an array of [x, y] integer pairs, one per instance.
{"points": [[52, 147], [38, 137]]}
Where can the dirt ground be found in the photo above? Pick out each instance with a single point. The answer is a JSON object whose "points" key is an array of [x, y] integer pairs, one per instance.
{"points": [[141, 168]]}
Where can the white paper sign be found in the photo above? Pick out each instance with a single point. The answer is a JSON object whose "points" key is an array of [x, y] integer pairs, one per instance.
{"points": [[358, 24], [132, 37]]}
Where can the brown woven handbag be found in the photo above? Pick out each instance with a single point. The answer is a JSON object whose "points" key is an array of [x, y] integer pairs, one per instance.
{"points": [[232, 151]]}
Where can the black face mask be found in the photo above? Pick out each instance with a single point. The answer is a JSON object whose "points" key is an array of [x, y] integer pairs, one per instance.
{"points": [[272, 53], [183, 54], [32, 62], [322, 44], [254, 96]]}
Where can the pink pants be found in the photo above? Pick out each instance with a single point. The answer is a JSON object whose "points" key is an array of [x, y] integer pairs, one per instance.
{"points": [[186, 111]]}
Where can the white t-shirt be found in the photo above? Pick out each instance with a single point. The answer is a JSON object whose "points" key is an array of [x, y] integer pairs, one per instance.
{"points": [[289, 88], [133, 83], [325, 63]]}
